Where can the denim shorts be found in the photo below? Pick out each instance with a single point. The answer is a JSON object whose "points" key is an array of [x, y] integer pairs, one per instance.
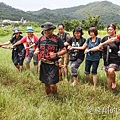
{"points": [[30, 56], [93, 64]]}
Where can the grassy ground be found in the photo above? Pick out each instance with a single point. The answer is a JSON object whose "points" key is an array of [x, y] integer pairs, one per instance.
{"points": [[22, 96]]}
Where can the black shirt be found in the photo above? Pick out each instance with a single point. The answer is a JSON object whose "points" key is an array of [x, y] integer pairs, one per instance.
{"points": [[81, 41], [47, 45], [19, 47], [112, 51]]}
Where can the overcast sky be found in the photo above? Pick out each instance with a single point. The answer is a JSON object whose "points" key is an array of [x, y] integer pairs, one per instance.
{"points": [[34, 5]]}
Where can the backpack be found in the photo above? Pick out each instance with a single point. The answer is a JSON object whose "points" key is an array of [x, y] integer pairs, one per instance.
{"points": [[64, 37]]}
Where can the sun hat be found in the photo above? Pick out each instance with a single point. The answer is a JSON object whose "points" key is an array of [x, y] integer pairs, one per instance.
{"points": [[29, 29], [16, 30], [48, 26]]}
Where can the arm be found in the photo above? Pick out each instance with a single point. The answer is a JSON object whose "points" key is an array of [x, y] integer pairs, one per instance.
{"points": [[7, 43], [110, 41], [23, 40], [30, 46], [1, 44], [66, 44], [92, 49], [17, 43], [4, 45], [62, 51], [36, 51], [59, 53]]}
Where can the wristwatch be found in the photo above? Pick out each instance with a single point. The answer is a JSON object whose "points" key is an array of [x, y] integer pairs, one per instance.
{"points": [[57, 55]]}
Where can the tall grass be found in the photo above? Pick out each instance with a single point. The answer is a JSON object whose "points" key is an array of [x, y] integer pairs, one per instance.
{"points": [[22, 96]]}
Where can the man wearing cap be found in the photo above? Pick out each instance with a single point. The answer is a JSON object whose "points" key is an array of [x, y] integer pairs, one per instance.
{"points": [[50, 47], [28, 40], [18, 52]]}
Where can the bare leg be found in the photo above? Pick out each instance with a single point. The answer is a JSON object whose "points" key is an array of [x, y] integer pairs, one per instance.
{"points": [[36, 68], [88, 78], [19, 68], [28, 66], [111, 78], [66, 72], [75, 82], [47, 89], [95, 79], [53, 89]]}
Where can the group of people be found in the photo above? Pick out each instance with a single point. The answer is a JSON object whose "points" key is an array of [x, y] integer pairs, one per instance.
{"points": [[55, 52]]}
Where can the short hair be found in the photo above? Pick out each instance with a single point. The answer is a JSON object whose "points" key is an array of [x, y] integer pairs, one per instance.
{"points": [[93, 29], [78, 29], [61, 24]]}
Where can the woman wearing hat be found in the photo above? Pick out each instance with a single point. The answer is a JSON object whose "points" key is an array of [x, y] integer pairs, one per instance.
{"points": [[28, 40], [18, 52]]}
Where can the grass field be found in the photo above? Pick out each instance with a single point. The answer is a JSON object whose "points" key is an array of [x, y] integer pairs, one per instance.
{"points": [[22, 96]]}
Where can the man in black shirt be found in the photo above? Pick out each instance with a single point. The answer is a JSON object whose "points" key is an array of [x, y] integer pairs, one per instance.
{"points": [[50, 47]]}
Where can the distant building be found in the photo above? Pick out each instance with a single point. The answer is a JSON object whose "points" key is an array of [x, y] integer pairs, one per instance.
{"points": [[13, 22]]}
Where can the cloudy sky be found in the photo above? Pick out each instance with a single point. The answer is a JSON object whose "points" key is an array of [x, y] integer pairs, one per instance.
{"points": [[34, 5]]}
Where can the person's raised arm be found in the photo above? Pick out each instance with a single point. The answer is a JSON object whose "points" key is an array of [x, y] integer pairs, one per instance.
{"points": [[7, 43], [17, 43], [111, 40], [4, 45]]}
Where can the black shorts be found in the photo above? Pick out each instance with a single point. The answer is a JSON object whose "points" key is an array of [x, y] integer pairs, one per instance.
{"points": [[49, 73], [17, 59]]}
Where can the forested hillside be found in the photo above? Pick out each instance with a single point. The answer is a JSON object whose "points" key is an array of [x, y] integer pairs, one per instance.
{"points": [[108, 12]]}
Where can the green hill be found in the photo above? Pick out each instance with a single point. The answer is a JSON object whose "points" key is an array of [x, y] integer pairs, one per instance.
{"points": [[7, 12], [108, 12]]}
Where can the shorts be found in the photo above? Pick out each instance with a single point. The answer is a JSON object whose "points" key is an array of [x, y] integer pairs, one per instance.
{"points": [[30, 56], [17, 59], [114, 66], [49, 73], [93, 64], [64, 60], [74, 66]]}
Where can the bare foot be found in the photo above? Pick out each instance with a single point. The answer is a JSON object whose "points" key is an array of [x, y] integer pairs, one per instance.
{"points": [[88, 83], [94, 88], [113, 85], [67, 80], [73, 84]]}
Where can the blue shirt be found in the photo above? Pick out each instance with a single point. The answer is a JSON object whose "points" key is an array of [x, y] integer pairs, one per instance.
{"points": [[93, 56]]}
